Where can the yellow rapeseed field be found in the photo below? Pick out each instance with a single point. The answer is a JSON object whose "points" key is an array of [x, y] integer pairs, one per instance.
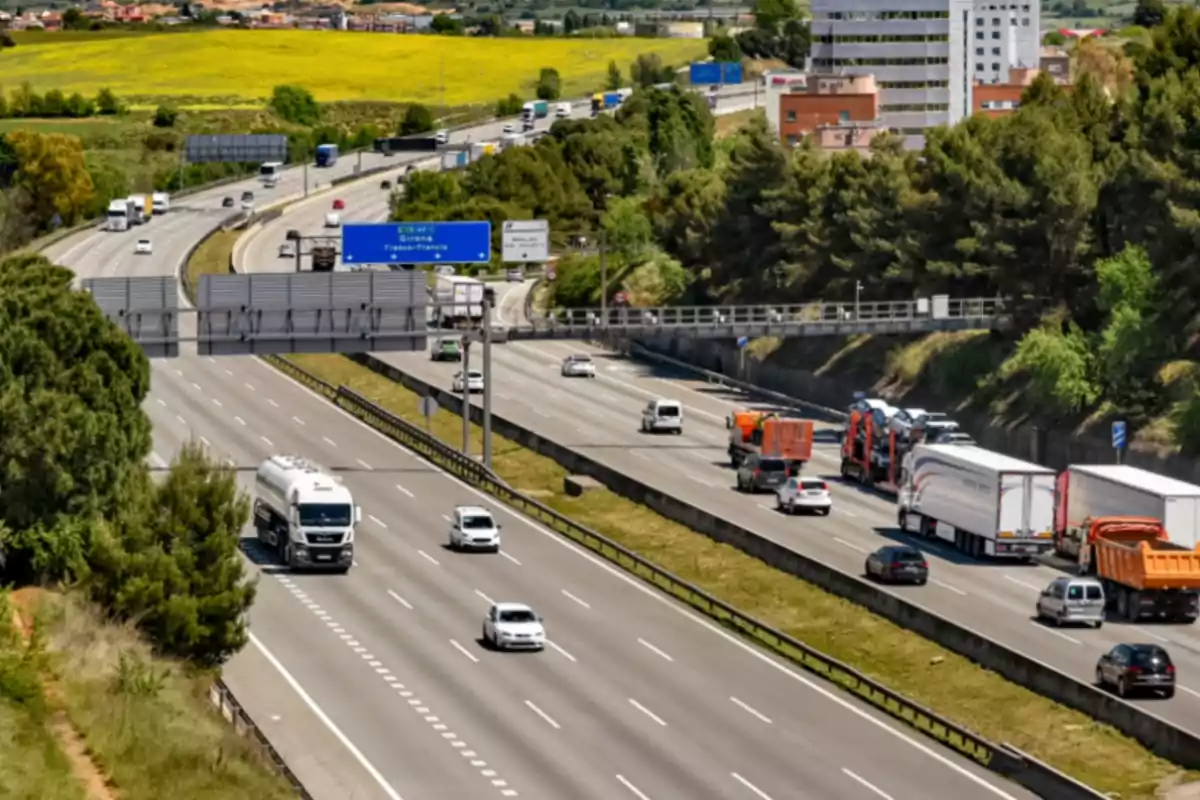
{"points": [[333, 65]]}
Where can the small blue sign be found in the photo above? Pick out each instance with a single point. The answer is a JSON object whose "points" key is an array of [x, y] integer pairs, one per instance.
{"points": [[743, 341], [702, 72], [417, 243], [1118, 435], [731, 72]]}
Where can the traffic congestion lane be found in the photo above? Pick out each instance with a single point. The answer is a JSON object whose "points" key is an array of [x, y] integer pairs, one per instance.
{"points": [[360, 476]]}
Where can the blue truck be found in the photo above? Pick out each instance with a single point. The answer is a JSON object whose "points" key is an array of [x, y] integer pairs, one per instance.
{"points": [[327, 155]]}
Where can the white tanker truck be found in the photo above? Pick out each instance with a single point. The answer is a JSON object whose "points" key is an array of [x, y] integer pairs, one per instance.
{"points": [[305, 514]]}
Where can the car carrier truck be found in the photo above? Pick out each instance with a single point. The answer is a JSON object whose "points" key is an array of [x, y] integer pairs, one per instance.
{"points": [[305, 514], [983, 503], [768, 434]]}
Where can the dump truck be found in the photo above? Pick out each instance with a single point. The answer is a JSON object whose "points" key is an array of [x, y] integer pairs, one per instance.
{"points": [[768, 434], [1145, 574], [982, 502]]}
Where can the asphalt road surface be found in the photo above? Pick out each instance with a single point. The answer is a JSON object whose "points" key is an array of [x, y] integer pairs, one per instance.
{"points": [[373, 684]]}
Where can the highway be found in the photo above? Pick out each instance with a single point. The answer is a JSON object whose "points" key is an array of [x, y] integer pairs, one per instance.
{"points": [[373, 685], [601, 419]]}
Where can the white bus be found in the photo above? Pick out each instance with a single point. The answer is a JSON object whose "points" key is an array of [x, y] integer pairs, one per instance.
{"points": [[269, 172]]}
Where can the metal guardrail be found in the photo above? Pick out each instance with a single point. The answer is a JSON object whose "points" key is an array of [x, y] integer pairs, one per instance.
{"points": [[229, 708], [1000, 759], [808, 319]]}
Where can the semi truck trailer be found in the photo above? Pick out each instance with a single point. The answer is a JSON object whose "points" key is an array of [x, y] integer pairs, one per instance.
{"points": [[983, 503], [459, 300], [305, 514]]}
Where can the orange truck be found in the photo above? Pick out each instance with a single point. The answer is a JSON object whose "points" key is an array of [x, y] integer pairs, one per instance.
{"points": [[768, 434], [1145, 575]]}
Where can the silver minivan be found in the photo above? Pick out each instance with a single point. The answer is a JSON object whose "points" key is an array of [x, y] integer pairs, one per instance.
{"points": [[1072, 599]]}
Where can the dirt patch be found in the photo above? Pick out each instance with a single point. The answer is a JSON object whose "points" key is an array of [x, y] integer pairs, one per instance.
{"points": [[86, 770]]}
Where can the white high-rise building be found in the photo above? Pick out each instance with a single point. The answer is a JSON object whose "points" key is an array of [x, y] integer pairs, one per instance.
{"points": [[925, 55]]}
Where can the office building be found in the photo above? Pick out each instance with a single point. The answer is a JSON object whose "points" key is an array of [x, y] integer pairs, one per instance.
{"points": [[926, 55]]}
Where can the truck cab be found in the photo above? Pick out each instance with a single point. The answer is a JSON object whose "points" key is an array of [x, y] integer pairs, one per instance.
{"points": [[305, 515]]}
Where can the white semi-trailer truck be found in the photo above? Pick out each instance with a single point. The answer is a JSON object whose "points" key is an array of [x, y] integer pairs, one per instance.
{"points": [[983, 503], [305, 514], [459, 299]]}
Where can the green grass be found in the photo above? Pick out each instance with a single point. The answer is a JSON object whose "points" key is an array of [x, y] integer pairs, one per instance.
{"points": [[946, 683]]}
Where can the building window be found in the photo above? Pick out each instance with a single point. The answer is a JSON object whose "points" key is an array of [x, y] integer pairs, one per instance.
{"points": [[995, 51], [1025, 22], [978, 34], [995, 34], [979, 67], [978, 51], [791, 116], [995, 67], [995, 20]]}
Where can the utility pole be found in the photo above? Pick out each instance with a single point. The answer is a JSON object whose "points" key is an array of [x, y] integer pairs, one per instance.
{"points": [[487, 383], [466, 395], [603, 280]]}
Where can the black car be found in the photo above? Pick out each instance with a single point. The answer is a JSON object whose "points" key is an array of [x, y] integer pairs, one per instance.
{"points": [[1132, 668], [385, 184], [247, 197], [898, 564], [227, 202]]}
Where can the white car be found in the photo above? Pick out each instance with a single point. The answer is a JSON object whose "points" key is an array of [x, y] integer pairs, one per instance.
{"points": [[578, 366], [804, 494], [662, 415], [442, 137], [287, 249], [514, 626], [473, 382], [473, 528], [143, 247], [333, 220], [933, 423], [445, 269], [515, 275], [510, 127]]}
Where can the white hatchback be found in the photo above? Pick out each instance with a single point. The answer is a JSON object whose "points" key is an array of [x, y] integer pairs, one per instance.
{"points": [[471, 382], [513, 626], [333, 220], [474, 528], [804, 494], [143, 247]]}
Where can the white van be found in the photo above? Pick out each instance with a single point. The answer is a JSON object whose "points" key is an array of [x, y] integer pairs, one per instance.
{"points": [[663, 415], [562, 110]]}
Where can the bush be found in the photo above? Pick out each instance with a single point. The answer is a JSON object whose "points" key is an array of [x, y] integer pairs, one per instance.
{"points": [[417, 119], [296, 105], [165, 116]]}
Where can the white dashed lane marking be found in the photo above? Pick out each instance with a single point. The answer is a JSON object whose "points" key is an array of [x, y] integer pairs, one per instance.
{"points": [[403, 692]]}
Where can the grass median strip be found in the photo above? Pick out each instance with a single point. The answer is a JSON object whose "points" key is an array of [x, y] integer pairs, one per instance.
{"points": [[944, 682]]}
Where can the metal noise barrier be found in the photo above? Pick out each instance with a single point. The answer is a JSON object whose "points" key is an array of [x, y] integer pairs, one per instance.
{"points": [[229, 708], [1001, 759]]}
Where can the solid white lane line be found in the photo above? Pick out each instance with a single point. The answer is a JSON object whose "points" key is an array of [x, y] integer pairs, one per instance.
{"points": [[400, 600], [757, 791], [636, 791], [377, 520], [576, 599], [647, 712], [364, 464], [268, 441], [1049, 630], [750, 709], [486, 599], [945, 585], [1148, 633], [510, 558], [464, 651], [321, 715], [561, 652], [866, 784], [218, 403], [240, 421], [329, 441], [851, 545], [297, 420], [654, 649], [549, 720], [410, 494], [429, 557]]}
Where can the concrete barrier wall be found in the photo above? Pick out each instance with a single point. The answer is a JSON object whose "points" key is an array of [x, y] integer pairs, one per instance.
{"points": [[1160, 736]]}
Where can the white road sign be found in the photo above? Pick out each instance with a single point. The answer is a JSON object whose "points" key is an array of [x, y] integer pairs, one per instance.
{"points": [[526, 241]]}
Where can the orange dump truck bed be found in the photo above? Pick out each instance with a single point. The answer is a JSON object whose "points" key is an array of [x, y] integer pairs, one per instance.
{"points": [[791, 439], [1147, 565]]}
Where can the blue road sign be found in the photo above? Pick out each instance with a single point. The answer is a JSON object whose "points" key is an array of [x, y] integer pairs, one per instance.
{"points": [[743, 341], [731, 72], [702, 72], [1118, 435], [417, 243]]}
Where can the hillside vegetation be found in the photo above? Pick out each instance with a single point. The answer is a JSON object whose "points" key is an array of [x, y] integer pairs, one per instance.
{"points": [[234, 67]]}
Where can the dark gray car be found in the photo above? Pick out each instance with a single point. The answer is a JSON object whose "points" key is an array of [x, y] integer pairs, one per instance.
{"points": [[897, 564], [1132, 668], [759, 474]]}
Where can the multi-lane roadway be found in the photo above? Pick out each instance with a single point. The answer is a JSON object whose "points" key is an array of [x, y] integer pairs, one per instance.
{"points": [[373, 684], [601, 418]]}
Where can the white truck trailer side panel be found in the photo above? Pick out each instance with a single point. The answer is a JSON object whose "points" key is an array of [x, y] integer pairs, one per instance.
{"points": [[464, 296], [1119, 490]]}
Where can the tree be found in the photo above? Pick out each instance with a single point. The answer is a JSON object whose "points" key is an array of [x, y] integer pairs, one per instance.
{"points": [[1149, 13], [72, 431], [175, 567], [417, 119], [549, 85], [770, 15], [509, 106], [108, 180], [52, 172], [627, 229], [165, 116], [723, 47], [107, 103], [648, 70], [1054, 39], [73, 19], [295, 104], [615, 79], [446, 25]]}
